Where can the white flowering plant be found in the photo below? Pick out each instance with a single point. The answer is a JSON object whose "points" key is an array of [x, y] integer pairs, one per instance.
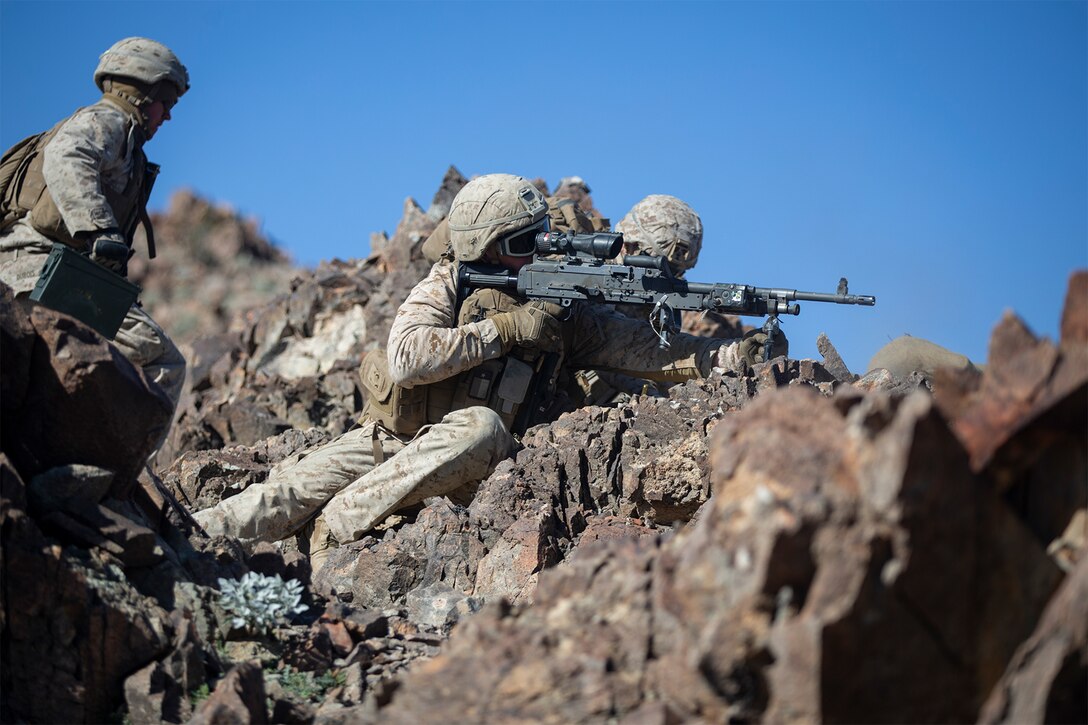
{"points": [[257, 602]]}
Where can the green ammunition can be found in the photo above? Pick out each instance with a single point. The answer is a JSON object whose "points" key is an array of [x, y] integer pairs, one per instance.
{"points": [[74, 284]]}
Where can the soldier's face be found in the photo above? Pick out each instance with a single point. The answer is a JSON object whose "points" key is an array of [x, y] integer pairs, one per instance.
{"points": [[157, 114], [505, 260]]}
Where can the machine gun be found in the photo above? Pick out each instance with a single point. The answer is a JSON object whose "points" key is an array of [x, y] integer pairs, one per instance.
{"points": [[583, 273]]}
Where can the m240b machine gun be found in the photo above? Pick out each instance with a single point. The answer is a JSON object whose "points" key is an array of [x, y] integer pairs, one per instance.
{"points": [[582, 273]]}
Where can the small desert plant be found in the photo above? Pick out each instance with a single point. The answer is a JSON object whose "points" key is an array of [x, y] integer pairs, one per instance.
{"points": [[306, 685], [257, 602]]}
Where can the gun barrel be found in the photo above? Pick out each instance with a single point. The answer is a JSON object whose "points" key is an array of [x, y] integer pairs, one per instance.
{"points": [[867, 300], [792, 294]]}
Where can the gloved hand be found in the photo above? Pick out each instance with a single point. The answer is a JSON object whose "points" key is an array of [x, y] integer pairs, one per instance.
{"points": [[535, 325], [108, 248], [751, 346]]}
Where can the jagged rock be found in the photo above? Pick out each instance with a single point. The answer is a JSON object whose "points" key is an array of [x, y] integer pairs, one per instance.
{"points": [[1047, 679], [847, 565], [646, 461], [882, 380], [74, 627], [1025, 376], [69, 488], [833, 362], [524, 549], [238, 698], [1074, 327], [79, 401], [1023, 422], [160, 691], [440, 546], [212, 265], [440, 606], [452, 183]]}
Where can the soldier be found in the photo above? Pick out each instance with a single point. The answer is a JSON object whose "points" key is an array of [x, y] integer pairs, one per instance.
{"points": [[659, 225], [574, 192], [663, 226], [905, 355], [461, 376], [85, 183]]}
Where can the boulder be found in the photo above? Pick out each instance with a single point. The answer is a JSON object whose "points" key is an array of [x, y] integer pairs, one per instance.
{"points": [[77, 400], [849, 563], [1047, 678]]}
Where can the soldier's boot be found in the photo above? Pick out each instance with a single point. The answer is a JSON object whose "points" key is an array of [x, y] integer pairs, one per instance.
{"points": [[322, 542]]}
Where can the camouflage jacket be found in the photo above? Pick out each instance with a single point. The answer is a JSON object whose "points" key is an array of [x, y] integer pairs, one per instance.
{"points": [[93, 163]]}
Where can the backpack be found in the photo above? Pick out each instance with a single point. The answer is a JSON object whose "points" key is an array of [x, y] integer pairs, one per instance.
{"points": [[13, 166]]}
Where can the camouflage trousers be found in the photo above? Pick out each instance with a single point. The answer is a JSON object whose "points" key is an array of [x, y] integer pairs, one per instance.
{"points": [[354, 491], [140, 338]]}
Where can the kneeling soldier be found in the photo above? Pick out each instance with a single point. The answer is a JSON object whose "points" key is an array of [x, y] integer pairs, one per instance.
{"points": [[463, 373]]}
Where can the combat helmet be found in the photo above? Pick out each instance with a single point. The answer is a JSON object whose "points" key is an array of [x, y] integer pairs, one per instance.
{"points": [[499, 208], [144, 63], [664, 226]]}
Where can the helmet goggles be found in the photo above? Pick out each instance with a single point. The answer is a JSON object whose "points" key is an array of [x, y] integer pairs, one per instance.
{"points": [[522, 243]]}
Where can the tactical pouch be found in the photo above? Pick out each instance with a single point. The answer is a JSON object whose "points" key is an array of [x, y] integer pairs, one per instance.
{"points": [[400, 410], [73, 284]]}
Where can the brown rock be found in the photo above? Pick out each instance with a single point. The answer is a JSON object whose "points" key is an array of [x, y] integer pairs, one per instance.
{"points": [[238, 699], [83, 402], [1024, 377], [1047, 679], [161, 691], [1023, 422], [74, 629], [849, 567], [1075, 314]]}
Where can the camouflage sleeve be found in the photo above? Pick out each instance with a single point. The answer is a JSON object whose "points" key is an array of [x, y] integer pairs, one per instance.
{"points": [[425, 345], [599, 330], [89, 151]]}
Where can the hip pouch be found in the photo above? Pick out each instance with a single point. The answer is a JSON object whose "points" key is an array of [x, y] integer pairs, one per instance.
{"points": [[400, 410]]}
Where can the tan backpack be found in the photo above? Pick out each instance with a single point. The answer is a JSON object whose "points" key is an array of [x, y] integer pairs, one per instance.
{"points": [[13, 167]]}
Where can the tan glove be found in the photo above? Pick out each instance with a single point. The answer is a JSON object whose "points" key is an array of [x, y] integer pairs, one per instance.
{"points": [[535, 325], [751, 346]]}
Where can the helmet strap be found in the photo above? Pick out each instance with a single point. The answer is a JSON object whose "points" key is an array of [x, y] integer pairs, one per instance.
{"points": [[129, 97]]}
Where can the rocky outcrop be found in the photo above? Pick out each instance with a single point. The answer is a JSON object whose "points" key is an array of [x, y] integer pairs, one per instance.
{"points": [[1047, 679], [211, 265], [70, 397], [847, 543], [293, 362], [790, 543]]}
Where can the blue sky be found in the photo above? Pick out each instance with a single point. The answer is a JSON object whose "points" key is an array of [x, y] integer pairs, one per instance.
{"points": [[935, 153]]}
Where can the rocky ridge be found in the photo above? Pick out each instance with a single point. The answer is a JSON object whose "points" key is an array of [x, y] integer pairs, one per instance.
{"points": [[792, 543]]}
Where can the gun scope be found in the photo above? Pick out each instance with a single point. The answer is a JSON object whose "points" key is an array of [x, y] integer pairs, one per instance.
{"points": [[601, 245]]}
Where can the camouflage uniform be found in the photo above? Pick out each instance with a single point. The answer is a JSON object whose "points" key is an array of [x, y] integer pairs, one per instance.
{"points": [[658, 226], [356, 491], [94, 155], [96, 146], [905, 355]]}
